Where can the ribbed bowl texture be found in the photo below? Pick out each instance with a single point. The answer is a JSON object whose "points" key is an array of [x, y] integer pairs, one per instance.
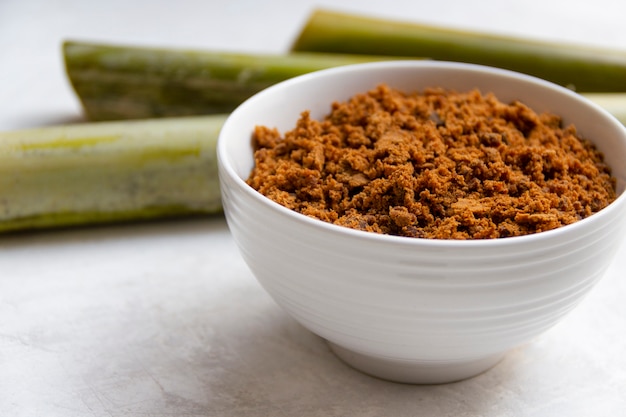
{"points": [[408, 309]]}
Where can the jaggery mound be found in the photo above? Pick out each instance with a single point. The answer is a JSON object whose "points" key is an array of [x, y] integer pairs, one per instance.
{"points": [[436, 164]]}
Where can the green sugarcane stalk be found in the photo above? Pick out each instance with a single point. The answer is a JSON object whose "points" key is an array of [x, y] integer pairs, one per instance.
{"points": [[123, 82], [584, 69], [106, 172], [614, 103]]}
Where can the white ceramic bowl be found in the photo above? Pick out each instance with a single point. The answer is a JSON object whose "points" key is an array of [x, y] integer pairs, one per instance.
{"points": [[409, 309]]}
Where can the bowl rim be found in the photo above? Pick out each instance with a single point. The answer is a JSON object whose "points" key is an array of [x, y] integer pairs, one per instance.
{"points": [[227, 168]]}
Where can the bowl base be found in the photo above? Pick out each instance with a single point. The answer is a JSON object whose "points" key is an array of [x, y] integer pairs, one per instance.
{"points": [[414, 372]]}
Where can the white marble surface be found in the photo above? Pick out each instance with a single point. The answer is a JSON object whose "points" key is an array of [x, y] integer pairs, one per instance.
{"points": [[165, 319]]}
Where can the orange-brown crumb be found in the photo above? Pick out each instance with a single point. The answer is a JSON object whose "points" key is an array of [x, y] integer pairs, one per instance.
{"points": [[436, 164]]}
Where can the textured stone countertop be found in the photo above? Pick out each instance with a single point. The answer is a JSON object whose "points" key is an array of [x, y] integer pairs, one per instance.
{"points": [[165, 319]]}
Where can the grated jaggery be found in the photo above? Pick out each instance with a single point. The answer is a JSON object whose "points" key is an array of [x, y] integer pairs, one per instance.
{"points": [[434, 164]]}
